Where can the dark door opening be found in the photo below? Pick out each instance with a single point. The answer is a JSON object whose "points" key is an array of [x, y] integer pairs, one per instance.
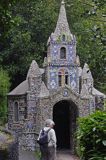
{"points": [[61, 117]]}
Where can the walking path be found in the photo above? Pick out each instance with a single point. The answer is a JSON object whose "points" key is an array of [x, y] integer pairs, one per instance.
{"points": [[61, 155], [66, 155], [27, 155]]}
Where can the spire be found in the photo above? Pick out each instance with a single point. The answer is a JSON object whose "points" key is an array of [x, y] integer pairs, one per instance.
{"points": [[34, 70], [87, 78], [62, 26], [86, 73]]}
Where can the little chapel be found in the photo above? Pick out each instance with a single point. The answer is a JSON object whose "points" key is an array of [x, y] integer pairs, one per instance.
{"points": [[60, 90]]}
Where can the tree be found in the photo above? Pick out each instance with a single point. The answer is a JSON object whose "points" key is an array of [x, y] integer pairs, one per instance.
{"points": [[5, 21], [28, 37], [87, 21], [4, 88]]}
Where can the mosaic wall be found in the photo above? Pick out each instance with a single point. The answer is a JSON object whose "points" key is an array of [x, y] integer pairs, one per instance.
{"points": [[72, 77], [54, 54], [56, 65]]}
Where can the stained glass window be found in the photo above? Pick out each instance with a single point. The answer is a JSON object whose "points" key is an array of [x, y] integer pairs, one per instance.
{"points": [[63, 77]]}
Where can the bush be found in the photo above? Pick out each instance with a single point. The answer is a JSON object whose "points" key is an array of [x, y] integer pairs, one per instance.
{"points": [[91, 136]]}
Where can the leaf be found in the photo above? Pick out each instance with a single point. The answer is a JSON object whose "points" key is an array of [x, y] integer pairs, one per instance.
{"points": [[104, 142], [97, 141]]}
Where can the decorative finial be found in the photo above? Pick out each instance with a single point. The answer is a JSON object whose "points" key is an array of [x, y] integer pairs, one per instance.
{"points": [[62, 2]]}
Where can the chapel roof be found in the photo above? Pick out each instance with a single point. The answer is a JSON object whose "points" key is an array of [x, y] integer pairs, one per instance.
{"points": [[21, 89]]}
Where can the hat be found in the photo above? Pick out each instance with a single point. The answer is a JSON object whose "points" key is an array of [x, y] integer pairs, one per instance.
{"points": [[49, 122]]}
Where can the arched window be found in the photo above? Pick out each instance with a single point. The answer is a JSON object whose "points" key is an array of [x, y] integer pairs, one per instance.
{"points": [[16, 112], [63, 77], [60, 79], [66, 77], [63, 38], [63, 53]]}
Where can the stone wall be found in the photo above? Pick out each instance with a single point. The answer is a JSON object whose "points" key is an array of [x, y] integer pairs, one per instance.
{"points": [[22, 112]]}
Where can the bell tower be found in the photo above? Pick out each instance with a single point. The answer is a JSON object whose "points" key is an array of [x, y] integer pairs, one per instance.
{"points": [[61, 67]]}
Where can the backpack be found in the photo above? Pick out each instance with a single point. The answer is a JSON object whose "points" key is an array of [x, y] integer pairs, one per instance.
{"points": [[43, 139]]}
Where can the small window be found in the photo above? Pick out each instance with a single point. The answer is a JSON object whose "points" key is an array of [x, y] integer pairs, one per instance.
{"points": [[63, 38], [63, 53], [16, 112]]}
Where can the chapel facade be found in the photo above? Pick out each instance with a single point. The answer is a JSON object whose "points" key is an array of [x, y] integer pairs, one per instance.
{"points": [[61, 90]]}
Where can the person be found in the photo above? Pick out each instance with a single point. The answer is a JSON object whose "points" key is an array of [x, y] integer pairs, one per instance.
{"points": [[49, 152]]}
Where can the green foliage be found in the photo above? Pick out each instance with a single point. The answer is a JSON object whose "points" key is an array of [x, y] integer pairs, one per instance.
{"points": [[91, 136], [5, 21], [33, 24], [105, 104], [4, 88]]}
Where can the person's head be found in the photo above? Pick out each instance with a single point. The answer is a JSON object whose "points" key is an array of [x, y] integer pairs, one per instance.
{"points": [[49, 123]]}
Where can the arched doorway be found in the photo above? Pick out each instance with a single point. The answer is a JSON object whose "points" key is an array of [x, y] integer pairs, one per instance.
{"points": [[64, 116]]}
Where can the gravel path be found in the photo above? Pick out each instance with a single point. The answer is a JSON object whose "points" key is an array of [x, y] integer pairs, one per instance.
{"points": [[27, 155], [66, 155], [61, 155]]}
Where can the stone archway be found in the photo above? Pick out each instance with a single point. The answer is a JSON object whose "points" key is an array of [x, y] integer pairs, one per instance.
{"points": [[65, 113]]}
